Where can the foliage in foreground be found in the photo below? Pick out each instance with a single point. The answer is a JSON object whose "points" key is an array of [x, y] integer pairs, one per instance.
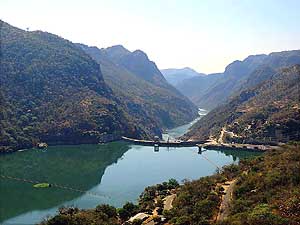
{"points": [[269, 193]]}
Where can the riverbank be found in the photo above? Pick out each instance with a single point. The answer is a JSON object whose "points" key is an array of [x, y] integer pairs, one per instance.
{"points": [[244, 147], [66, 143], [85, 139]]}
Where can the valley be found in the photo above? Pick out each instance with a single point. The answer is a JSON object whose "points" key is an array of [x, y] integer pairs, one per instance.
{"points": [[95, 129]]}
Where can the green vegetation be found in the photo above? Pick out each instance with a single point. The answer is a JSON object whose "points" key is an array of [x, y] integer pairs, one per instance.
{"points": [[53, 92], [268, 193], [196, 202], [42, 185], [267, 112], [157, 192], [127, 211], [103, 214]]}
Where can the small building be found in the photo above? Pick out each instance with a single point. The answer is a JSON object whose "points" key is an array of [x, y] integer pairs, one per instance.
{"points": [[42, 145], [139, 216]]}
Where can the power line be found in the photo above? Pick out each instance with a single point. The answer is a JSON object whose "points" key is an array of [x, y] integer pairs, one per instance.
{"points": [[54, 185], [207, 159]]}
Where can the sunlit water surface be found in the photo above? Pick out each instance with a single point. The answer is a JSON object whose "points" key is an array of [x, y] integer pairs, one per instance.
{"points": [[116, 172]]}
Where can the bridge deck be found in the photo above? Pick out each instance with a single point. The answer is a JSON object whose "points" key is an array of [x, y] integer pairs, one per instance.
{"points": [[163, 143], [200, 144]]}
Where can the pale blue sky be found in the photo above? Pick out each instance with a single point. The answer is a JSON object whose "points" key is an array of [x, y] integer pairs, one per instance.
{"points": [[202, 34]]}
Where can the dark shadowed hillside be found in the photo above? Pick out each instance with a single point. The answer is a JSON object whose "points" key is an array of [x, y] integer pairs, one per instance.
{"points": [[268, 111], [146, 95], [53, 92]]}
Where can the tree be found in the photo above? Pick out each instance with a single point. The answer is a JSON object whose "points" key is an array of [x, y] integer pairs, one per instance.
{"points": [[110, 211], [131, 208], [123, 214], [173, 183]]}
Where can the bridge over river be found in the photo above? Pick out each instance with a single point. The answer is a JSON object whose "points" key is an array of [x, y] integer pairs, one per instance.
{"points": [[162, 143], [200, 144]]}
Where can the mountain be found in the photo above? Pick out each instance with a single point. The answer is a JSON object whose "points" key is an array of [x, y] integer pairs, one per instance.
{"points": [[142, 88], [198, 86], [176, 76], [52, 91], [268, 111], [136, 62], [214, 89]]}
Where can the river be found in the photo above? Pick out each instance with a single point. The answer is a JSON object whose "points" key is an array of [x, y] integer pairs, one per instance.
{"points": [[115, 172]]}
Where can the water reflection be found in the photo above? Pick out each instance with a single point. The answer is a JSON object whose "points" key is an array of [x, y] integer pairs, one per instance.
{"points": [[116, 171], [79, 167]]}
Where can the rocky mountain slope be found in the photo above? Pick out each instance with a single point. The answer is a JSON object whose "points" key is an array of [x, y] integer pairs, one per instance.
{"points": [[269, 111], [210, 91], [136, 62], [53, 92], [142, 88]]}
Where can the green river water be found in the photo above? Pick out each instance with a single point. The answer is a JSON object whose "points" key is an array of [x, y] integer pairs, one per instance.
{"points": [[116, 172]]}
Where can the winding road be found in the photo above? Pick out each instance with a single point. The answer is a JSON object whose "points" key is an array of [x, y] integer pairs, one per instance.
{"points": [[226, 200]]}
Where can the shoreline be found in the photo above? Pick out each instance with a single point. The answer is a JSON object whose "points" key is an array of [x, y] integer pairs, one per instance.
{"points": [[239, 147], [111, 138], [56, 144]]}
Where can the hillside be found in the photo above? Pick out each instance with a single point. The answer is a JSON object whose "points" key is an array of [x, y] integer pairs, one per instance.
{"points": [[177, 76], [269, 111], [146, 95], [210, 91], [265, 191], [53, 92]]}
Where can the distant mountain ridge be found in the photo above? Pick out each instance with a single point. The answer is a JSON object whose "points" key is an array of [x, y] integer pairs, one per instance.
{"points": [[176, 76], [150, 98], [136, 62], [210, 91]]}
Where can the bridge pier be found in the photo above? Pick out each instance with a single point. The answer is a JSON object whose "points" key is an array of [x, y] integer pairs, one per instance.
{"points": [[156, 147], [199, 149], [162, 143]]}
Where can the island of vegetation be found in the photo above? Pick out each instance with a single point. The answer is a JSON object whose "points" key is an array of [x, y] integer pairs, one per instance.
{"points": [[42, 185]]}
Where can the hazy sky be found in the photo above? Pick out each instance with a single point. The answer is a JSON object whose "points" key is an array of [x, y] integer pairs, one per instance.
{"points": [[203, 34]]}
